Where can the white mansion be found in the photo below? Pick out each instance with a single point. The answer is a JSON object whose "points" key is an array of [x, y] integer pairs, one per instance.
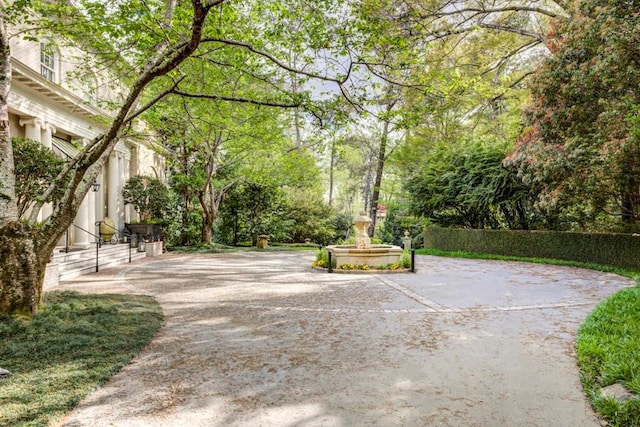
{"points": [[49, 104]]}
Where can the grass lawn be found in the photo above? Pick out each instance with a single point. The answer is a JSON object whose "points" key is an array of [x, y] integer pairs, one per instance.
{"points": [[70, 348], [608, 347], [608, 342]]}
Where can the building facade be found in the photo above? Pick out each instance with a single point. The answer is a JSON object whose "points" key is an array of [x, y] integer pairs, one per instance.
{"points": [[53, 103]]}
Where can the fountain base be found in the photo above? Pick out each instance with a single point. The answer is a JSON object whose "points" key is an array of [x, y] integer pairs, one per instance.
{"points": [[373, 256]]}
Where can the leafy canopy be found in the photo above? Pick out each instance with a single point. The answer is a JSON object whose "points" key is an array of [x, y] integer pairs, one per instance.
{"points": [[581, 150]]}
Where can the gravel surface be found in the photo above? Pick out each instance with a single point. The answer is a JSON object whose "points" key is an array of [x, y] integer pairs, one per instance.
{"points": [[261, 339]]}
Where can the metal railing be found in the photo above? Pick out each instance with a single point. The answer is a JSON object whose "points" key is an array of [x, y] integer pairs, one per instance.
{"points": [[125, 233], [98, 240]]}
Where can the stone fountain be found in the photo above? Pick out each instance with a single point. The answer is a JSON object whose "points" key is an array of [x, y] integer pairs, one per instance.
{"points": [[363, 252]]}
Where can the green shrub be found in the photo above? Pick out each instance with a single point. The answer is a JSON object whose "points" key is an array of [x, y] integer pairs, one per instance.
{"points": [[405, 259], [151, 198], [599, 248], [397, 221], [322, 259], [36, 166]]}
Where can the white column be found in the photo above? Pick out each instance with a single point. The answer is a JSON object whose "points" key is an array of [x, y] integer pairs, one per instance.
{"points": [[82, 221], [112, 187], [32, 128], [91, 214], [100, 203], [121, 182], [47, 133], [127, 174]]}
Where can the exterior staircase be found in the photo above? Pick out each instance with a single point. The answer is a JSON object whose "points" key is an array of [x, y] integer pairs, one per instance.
{"points": [[76, 262]]}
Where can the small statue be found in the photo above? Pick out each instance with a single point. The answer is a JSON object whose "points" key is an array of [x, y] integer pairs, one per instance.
{"points": [[406, 240]]}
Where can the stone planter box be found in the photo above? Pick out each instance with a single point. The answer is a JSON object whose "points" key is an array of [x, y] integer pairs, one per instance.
{"points": [[153, 248]]}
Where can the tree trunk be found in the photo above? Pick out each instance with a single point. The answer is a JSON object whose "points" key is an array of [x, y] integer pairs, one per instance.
{"points": [[630, 183], [209, 214], [207, 229], [366, 189], [378, 182], [186, 197], [8, 203], [185, 220], [21, 268], [210, 200], [21, 273]]}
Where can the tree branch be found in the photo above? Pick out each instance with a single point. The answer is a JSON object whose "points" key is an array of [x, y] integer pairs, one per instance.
{"points": [[483, 11], [155, 100], [276, 61], [509, 55], [235, 99], [520, 31]]}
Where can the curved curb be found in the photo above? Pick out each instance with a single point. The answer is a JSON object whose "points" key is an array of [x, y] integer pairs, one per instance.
{"points": [[370, 271]]}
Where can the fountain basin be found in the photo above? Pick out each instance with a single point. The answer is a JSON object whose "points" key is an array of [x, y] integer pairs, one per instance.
{"points": [[372, 256]]}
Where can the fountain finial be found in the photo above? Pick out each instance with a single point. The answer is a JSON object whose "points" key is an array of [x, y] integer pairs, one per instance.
{"points": [[362, 222]]}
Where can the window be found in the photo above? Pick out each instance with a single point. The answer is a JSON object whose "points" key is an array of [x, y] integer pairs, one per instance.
{"points": [[47, 62]]}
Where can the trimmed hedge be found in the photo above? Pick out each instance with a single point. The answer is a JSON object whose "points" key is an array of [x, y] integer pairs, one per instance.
{"points": [[600, 248]]}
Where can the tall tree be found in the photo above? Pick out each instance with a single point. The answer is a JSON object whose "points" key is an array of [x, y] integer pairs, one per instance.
{"points": [[203, 142], [581, 148], [384, 148]]}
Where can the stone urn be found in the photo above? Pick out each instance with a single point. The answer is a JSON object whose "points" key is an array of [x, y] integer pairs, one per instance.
{"points": [[107, 229]]}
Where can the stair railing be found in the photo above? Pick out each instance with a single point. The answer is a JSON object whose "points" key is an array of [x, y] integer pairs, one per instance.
{"points": [[125, 233], [97, 242]]}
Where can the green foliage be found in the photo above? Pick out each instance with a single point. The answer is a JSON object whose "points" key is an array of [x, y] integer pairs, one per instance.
{"points": [[398, 220], [313, 219], [580, 150], [208, 248], [405, 259], [188, 230], [470, 187], [599, 248], [36, 167], [286, 215], [150, 197], [251, 209], [68, 350], [342, 225], [607, 348], [322, 259]]}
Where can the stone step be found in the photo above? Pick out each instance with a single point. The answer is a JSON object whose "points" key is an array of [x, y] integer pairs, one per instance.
{"points": [[77, 262], [60, 256]]}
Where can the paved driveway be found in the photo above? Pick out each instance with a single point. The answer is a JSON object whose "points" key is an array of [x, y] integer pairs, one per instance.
{"points": [[261, 339]]}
